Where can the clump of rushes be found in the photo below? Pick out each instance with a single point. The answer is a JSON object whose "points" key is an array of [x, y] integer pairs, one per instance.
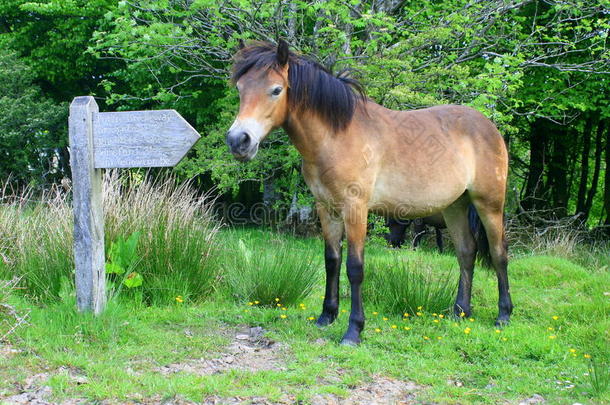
{"points": [[402, 285], [176, 249], [177, 245], [269, 277]]}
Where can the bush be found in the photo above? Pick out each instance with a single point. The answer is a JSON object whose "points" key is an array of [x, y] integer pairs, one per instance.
{"points": [[402, 284], [264, 272], [176, 248]]}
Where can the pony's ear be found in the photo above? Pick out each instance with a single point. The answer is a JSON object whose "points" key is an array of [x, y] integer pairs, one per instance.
{"points": [[282, 52]]}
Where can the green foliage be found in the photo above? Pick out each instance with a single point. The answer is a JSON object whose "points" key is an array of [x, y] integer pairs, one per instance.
{"points": [[31, 126], [122, 255], [410, 285], [599, 377], [256, 274]]}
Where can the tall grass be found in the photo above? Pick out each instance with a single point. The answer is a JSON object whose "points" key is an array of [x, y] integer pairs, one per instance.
{"points": [[36, 242], [177, 249], [269, 271], [177, 244], [398, 285]]}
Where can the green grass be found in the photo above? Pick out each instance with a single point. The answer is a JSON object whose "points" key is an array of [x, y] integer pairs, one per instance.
{"points": [[561, 315]]}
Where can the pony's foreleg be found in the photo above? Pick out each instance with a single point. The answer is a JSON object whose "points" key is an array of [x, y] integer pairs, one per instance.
{"points": [[355, 216], [332, 229]]}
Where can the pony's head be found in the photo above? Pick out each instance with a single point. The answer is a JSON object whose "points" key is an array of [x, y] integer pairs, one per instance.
{"points": [[273, 82], [260, 73]]}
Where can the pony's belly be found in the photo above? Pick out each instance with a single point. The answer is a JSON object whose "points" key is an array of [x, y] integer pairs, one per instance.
{"points": [[412, 201]]}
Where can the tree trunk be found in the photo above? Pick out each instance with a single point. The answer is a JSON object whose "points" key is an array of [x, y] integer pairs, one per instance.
{"points": [[607, 177], [558, 171], [534, 188], [584, 167], [598, 160]]}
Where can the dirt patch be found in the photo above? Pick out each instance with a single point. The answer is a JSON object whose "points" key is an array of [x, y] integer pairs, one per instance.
{"points": [[32, 391], [249, 350], [381, 390]]}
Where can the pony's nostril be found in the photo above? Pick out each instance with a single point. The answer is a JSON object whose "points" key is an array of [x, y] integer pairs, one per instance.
{"points": [[238, 141], [245, 141]]}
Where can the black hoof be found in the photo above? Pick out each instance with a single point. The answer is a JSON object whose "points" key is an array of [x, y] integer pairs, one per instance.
{"points": [[325, 320], [347, 341], [502, 321], [460, 312]]}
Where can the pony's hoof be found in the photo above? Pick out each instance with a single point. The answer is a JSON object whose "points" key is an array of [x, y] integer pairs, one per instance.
{"points": [[460, 313], [350, 342], [324, 320], [500, 322]]}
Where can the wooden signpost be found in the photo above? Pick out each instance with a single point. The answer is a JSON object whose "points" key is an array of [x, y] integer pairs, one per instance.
{"points": [[112, 140]]}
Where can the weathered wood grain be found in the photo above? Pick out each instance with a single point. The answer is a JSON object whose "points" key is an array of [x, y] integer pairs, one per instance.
{"points": [[141, 138], [88, 215]]}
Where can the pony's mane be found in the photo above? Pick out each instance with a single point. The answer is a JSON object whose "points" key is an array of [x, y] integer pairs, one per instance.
{"points": [[311, 86]]}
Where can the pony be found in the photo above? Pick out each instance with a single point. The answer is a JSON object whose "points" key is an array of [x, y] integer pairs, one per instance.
{"points": [[398, 229], [360, 157]]}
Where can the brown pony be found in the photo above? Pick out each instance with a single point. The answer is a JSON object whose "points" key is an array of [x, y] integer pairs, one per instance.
{"points": [[359, 156]]}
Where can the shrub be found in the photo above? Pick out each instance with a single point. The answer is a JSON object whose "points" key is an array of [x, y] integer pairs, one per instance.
{"points": [[264, 273], [402, 284], [176, 247]]}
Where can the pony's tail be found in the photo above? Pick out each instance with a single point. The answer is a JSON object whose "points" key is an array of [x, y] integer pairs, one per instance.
{"points": [[480, 237]]}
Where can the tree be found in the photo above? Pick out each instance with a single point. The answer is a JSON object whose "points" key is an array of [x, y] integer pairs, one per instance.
{"points": [[32, 127]]}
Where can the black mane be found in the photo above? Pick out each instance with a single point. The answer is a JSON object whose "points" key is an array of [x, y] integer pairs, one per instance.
{"points": [[311, 86]]}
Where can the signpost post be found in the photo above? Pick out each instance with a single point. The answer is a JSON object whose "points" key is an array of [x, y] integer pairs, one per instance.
{"points": [[112, 140]]}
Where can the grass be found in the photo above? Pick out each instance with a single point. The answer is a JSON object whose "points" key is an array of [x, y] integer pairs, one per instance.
{"points": [[261, 270], [202, 283], [177, 249], [561, 315]]}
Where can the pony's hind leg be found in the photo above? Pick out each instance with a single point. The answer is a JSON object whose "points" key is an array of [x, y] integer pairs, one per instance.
{"points": [[456, 217], [492, 217], [332, 229]]}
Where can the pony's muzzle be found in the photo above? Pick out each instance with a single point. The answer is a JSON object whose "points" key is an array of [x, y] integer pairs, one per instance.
{"points": [[240, 144]]}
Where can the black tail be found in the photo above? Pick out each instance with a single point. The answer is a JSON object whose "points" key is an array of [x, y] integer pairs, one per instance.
{"points": [[480, 237]]}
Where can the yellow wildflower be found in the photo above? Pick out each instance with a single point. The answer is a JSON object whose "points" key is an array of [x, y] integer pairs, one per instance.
{"points": [[439, 337], [283, 316], [436, 321], [420, 307], [277, 300], [555, 317], [426, 338], [179, 299], [498, 331], [375, 313], [586, 356], [462, 314], [504, 339], [344, 310], [419, 314], [394, 326], [250, 303], [550, 328], [407, 328], [311, 318], [377, 330], [467, 330], [441, 316], [471, 319], [572, 350], [256, 302], [406, 315], [385, 319], [552, 337]]}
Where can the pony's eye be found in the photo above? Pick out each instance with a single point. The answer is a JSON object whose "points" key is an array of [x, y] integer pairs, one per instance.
{"points": [[276, 91]]}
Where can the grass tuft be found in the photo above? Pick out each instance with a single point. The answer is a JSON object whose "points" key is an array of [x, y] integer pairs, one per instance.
{"points": [[263, 275], [398, 285]]}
